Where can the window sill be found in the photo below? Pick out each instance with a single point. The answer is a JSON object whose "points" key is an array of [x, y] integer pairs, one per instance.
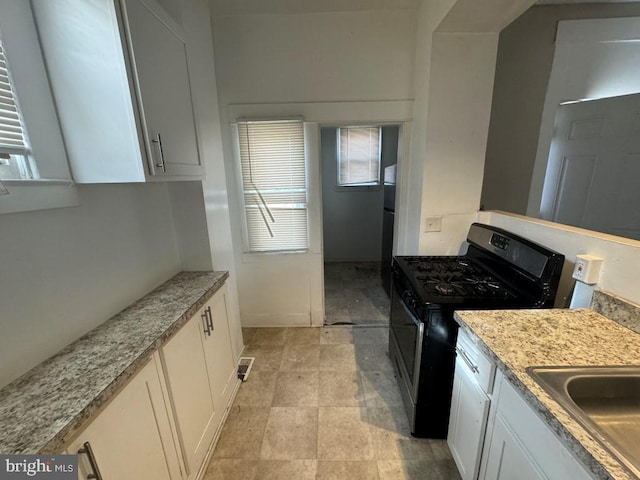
{"points": [[359, 188], [268, 256], [30, 195]]}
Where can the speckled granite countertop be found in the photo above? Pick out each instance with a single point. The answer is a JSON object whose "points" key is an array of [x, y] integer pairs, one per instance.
{"points": [[41, 411], [517, 339]]}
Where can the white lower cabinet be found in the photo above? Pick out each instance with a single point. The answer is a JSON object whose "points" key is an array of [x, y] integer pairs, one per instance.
{"points": [[185, 369], [468, 421], [493, 432], [200, 371], [221, 366], [163, 423], [131, 437], [472, 384], [520, 445]]}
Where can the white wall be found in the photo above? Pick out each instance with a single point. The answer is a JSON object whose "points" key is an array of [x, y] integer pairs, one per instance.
{"points": [[329, 67], [454, 68], [65, 271], [525, 54], [620, 255], [211, 210], [594, 58]]}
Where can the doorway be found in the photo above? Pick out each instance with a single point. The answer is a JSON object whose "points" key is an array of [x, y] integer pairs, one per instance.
{"points": [[353, 228]]}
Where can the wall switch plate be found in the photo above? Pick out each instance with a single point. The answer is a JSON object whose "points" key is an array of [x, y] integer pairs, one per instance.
{"points": [[433, 224], [587, 269]]}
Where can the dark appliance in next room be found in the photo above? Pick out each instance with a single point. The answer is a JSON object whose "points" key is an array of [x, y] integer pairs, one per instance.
{"points": [[388, 219], [500, 270]]}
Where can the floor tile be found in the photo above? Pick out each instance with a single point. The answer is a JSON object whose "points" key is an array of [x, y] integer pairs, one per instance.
{"points": [[338, 318], [269, 336], [440, 449], [354, 294], [392, 438], [448, 470], [247, 335], [340, 389], [304, 336], [409, 470], [343, 434], [300, 357], [373, 357], [336, 335], [380, 388], [341, 357], [267, 357], [296, 389], [371, 335], [340, 417], [258, 390], [347, 470], [291, 433], [242, 434], [231, 469], [286, 470]]}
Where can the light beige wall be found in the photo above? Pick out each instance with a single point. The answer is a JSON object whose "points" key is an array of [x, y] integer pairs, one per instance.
{"points": [[461, 81], [617, 275], [462, 56], [213, 212], [65, 271], [525, 55], [331, 68]]}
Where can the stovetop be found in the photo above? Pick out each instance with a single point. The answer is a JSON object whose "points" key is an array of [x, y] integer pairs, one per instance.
{"points": [[455, 280]]}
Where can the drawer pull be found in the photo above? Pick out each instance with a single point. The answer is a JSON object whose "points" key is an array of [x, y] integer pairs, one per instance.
{"points": [[474, 368], [88, 451]]}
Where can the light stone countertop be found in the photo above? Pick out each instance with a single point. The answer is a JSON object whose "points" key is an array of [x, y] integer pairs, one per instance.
{"points": [[517, 339], [44, 409]]}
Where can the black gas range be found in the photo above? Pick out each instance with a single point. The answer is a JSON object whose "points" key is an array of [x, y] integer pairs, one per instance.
{"points": [[500, 270]]}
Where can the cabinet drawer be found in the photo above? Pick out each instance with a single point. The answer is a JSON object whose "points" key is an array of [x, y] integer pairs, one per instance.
{"points": [[480, 367]]}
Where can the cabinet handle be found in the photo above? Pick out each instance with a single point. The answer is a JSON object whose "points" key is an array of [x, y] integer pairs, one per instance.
{"points": [[88, 451], [210, 319], [158, 142], [474, 368], [205, 319]]}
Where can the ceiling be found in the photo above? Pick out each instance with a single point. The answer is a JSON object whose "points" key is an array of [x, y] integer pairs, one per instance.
{"points": [[240, 7]]}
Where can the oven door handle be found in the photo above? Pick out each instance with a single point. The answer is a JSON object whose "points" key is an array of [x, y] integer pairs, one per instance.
{"points": [[410, 314], [418, 355]]}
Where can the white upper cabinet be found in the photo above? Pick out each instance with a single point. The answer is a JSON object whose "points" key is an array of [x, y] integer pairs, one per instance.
{"points": [[119, 73]]}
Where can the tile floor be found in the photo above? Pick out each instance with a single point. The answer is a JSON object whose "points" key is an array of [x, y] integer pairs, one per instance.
{"points": [[354, 295], [323, 403]]}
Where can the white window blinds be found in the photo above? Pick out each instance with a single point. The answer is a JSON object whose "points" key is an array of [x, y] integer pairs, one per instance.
{"points": [[359, 156], [274, 183], [12, 138]]}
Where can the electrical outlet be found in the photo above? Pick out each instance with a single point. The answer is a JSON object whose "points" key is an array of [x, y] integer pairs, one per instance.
{"points": [[587, 269], [433, 224]]}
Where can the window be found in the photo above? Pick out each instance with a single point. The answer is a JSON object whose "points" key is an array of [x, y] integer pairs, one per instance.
{"points": [[359, 156], [14, 162], [274, 185], [33, 161]]}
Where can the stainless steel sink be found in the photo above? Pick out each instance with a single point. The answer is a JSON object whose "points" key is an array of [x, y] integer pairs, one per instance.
{"points": [[604, 400]]}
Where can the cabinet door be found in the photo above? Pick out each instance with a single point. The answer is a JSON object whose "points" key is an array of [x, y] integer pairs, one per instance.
{"points": [[468, 421], [507, 459], [221, 365], [162, 82], [131, 437], [189, 392]]}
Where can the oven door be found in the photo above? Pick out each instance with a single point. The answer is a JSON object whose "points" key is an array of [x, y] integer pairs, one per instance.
{"points": [[406, 336]]}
